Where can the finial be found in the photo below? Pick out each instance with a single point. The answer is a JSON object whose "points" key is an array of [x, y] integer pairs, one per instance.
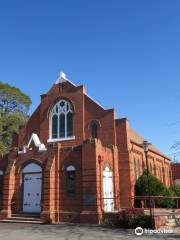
{"points": [[61, 78]]}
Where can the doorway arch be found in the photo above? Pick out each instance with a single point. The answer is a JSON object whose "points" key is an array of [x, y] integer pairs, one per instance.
{"points": [[32, 188]]}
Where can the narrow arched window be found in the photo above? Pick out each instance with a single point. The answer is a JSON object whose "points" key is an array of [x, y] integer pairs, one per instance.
{"points": [[62, 120], [69, 124], [151, 168], [62, 125], [139, 169], [94, 130], [1, 183], [54, 126], [71, 180], [135, 170]]}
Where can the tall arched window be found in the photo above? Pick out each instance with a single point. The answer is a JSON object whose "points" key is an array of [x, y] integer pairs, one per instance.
{"points": [[135, 170], [1, 183], [61, 120], [94, 130], [139, 169], [71, 180]]}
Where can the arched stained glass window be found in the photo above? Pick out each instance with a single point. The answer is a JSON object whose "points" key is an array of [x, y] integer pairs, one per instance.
{"points": [[62, 125], [94, 130], [54, 126], [69, 124], [62, 120]]}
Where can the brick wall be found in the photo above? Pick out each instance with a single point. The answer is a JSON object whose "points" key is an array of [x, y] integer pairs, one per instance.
{"points": [[176, 172], [114, 148]]}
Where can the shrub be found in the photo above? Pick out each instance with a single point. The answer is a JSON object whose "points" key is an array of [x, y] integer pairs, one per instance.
{"points": [[175, 188], [127, 217], [157, 188], [143, 221], [166, 202], [109, 222]]}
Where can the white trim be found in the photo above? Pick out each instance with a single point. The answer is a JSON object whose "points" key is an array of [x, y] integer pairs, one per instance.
{"points": [[1, 173], [60, 139], [22, 151], [70, 168], [71, 82], [34, 137], [57, 111], [95, 101], [62, 78]]}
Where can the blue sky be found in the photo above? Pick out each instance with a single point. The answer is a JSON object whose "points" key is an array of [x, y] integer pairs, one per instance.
{"points": [[126, 52]]}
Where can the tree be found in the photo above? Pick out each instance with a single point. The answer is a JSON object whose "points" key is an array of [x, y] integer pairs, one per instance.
{"points": [[157, 188], [14, 106], [13, 100]]}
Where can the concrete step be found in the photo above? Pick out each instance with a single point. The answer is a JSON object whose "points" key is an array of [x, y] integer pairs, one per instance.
{"points": [[23, 215], [23, 218], [9, 220]]}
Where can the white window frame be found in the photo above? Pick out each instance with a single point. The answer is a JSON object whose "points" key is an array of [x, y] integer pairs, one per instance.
{"points": [[70, 168], [59, 111]]}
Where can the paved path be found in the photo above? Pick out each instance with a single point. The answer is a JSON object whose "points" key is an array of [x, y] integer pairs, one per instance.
{"points": [[16, 231]]}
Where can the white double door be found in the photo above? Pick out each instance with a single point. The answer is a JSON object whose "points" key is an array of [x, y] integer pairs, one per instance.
{"points": [[108, 190], [32, 192]]}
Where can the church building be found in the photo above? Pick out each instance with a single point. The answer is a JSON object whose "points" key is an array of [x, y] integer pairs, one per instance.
{"points": [[74, 160]]}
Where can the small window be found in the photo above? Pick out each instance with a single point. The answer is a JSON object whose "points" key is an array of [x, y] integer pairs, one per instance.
{"points": [[135, 172], [139, 169], [151, 168], [94, 130], [1, 183], [71, 180]]}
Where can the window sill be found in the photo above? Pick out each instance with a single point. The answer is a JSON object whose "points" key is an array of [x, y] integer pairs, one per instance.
{"points": [[61, 139]]}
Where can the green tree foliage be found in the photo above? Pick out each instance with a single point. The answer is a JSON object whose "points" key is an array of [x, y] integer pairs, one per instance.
{"points": [[157, 188], [14, 106], [175, 188], [13, 100]]}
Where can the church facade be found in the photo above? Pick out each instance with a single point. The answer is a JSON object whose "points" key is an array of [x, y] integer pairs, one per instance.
{"points": [[74, 160]]}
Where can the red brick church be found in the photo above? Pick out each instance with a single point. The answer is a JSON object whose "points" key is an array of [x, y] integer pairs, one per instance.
{"points": [[74, 160]]}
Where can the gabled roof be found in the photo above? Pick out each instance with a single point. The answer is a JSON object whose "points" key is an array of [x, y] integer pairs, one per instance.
{"points": [[137, 138], [33, 139], [62, 78]]}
